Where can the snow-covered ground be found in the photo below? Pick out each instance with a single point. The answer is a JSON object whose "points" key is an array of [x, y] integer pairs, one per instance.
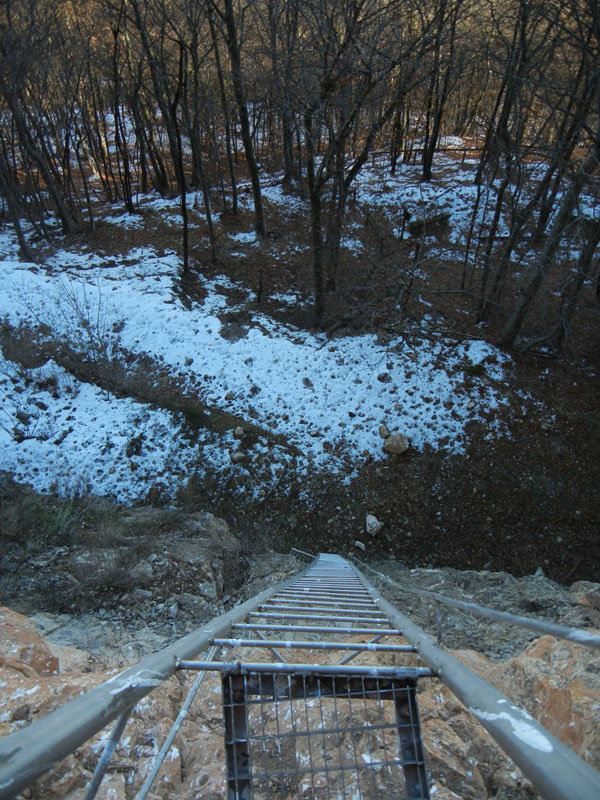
{"points": [[325, 398]]}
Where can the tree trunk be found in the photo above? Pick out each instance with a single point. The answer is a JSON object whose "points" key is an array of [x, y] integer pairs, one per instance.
{"points": [[571, 292], [225, 107], [240, 96], [544, 259]]}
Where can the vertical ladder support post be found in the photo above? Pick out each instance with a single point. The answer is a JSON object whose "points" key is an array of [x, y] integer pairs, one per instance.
{"points": [[413, 757], [236, 736], [107, 754]]}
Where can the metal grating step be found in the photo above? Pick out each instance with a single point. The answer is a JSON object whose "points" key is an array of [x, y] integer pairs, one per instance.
{"points": [[322, 736]]}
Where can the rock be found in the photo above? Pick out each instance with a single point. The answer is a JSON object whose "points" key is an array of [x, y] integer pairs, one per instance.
{"points": [[173, 610], [587, 593], [207, 526], [384, 431], [237, 456], [112, 788], [193, 605], [141, 573], [550, 680], [360, 545], [384, 377], [22, 650], [396, 444], [239, 432], [372, 524], [471, 405]]}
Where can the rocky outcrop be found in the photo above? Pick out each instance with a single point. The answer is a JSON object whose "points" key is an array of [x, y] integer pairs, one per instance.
{"points": [[556, 682], [21, 650]]}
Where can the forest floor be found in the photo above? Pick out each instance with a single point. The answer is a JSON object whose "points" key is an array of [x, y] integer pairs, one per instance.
{"points": [[511, 485]]}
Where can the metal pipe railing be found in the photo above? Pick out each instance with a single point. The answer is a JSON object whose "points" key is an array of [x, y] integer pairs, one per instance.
{"points": [[555, 770], [576, 635], [31, 752]]}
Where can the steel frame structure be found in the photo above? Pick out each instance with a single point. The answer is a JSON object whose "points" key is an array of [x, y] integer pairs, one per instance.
{"points": [[351, 748]]}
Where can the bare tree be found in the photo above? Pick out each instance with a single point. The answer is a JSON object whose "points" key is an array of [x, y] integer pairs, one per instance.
{"points": [[229, 16]]}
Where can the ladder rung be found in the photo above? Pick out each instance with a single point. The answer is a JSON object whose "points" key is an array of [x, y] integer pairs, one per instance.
{"points": [[337, 670], [324, 602], [320, 593], [315, 629], [355, 611], [279, 615], [358, 646]]}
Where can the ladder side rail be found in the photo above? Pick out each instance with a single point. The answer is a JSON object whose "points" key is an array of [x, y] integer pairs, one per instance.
{"points": [[576, 635], [554, 769], [29, 753]]}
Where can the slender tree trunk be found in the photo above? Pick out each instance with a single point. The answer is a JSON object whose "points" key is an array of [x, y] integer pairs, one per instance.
{"points": [[7, 190], [544, 259], [335, 222], [225, 107], [179, 163], [571, 292], [484, 300], [240, 95]]}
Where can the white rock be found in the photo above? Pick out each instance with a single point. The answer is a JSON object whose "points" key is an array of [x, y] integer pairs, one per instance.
{"points": [[372, 524], [360, 545], [239, 432], [237, 456], [396, 444]]}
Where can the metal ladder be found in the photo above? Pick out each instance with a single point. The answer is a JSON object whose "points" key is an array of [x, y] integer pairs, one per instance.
{"points": [[318, 727]]}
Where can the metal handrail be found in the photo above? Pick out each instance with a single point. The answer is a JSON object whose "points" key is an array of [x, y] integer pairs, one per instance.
{"points": [[29, 753], [302, 553], [576, 635], [555, 770]]}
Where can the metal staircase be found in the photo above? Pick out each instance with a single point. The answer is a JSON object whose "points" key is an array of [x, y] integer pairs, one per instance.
{"points": [[315, 726], [300, 720]]}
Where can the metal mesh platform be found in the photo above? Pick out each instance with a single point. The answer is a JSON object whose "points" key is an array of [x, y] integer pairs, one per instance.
{"points": [[322, 737]]}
